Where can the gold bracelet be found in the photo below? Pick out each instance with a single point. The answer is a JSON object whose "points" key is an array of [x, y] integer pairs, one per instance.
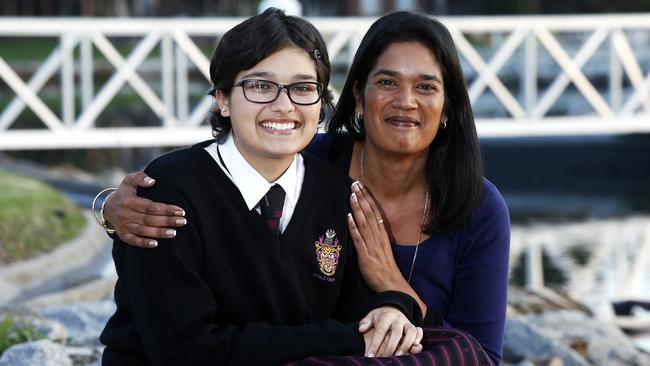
{"points": [[101, 220]]}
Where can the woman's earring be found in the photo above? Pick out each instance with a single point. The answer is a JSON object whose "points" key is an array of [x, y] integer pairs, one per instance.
{"points": [[214, 133], [443, 125], [358, 117]]}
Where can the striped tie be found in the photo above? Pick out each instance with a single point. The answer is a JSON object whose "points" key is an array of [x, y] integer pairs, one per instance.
{"points": [[271, 207]]}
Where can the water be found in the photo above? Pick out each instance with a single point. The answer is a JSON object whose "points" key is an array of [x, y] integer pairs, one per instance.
{"points": [[597, 261], [584, 202]]}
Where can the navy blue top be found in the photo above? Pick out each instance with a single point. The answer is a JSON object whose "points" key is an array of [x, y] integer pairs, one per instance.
{"points": [[462, 276]]}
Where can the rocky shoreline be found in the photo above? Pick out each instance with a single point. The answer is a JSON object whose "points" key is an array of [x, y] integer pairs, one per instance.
{"points": [[542, 329], [71, 334]]}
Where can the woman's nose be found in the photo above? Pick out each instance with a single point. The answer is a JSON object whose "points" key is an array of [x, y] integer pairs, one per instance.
{"points": [[404, 99]]}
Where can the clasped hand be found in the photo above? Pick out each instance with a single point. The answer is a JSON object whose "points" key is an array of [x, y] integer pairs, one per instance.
{"points": [[388, 332]]}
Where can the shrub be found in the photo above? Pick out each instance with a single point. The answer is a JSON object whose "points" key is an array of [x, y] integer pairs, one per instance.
{"points": [[13, 331]]}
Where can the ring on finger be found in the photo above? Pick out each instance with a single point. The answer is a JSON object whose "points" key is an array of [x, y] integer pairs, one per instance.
{"points": [[380, 221]]}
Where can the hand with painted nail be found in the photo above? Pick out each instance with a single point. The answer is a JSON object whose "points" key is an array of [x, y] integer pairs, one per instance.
{"points": [[387, 332], [139, 221], [376, 261]]}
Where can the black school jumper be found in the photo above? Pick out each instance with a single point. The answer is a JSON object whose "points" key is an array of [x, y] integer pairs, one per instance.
{"points": [[226, 290]]}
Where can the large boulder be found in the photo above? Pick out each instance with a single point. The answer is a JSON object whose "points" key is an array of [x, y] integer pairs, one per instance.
{"points": [[546, 323], [600, 342], [39, 353], [523, 342], [525, 301], [84, 321]]}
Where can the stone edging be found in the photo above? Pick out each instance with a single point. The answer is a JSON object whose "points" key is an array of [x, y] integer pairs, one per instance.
{"points": [[94, 290], [19, 277]]}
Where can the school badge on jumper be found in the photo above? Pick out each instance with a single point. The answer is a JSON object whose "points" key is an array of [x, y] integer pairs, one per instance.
{"points": [[327, 252]]}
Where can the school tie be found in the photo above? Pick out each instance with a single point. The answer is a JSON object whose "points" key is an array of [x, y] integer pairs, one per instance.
{"points": [[271, 207]]}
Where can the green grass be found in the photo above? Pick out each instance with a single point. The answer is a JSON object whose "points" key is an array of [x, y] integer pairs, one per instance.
{"points": [[120, 102], [26, 49], [17, 49], [14, 331], [34, 218]]}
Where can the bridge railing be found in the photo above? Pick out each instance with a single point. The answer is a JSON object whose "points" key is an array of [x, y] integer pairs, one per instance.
{"points": [[599, 261], [551, 75]]}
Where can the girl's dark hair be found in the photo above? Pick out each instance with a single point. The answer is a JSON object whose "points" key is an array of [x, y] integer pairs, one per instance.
{"points": [[256, 38], [454, 170]]}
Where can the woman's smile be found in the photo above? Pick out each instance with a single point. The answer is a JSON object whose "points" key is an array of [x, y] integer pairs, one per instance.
{"points": [[403, 122]]}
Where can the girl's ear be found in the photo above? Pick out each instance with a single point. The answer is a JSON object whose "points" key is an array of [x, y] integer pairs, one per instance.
{"points": [[222, 100]]}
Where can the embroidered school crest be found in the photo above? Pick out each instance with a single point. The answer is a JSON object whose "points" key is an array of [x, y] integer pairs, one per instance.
{"points": [[327, 252]]}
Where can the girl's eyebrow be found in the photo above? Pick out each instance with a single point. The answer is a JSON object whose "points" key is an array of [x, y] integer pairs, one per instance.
{"points": [[268, 75], [259, 74], [304, 77]]}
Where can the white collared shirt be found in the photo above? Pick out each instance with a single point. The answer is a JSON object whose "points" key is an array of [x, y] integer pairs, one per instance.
{"points": [[252, 185]]}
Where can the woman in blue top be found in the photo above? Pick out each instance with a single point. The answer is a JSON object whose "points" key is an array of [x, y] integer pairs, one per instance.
{"points": [[425, 220]]}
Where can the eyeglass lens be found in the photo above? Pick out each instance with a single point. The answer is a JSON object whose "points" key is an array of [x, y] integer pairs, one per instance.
{"points": [[262, 91]]}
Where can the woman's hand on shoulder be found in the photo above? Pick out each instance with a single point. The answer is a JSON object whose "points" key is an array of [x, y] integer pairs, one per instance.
{"points": [[388, 332], [139, 221]]}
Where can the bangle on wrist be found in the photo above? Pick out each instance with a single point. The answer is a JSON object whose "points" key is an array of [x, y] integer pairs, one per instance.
{"points": [[99, 216]]}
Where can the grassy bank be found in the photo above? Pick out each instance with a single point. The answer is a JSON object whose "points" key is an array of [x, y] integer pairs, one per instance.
{"points": [[34, 218]]}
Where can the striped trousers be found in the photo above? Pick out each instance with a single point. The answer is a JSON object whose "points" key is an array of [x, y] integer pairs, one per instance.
{"points": [[442, 347]]}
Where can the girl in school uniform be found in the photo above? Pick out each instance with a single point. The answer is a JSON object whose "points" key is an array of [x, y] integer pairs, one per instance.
{"points": [[265, 271]]}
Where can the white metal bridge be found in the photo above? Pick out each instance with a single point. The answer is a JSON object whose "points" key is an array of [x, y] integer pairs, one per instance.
{"points": [[527, 76]]}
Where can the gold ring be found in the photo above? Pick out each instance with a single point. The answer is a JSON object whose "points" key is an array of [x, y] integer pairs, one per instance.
{"points": [[380, 221]]}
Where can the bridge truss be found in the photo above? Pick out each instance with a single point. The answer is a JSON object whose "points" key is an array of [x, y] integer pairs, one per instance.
{"points": [[527, 76]]}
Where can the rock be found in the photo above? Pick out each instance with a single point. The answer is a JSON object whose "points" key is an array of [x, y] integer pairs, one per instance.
{"points": [[523, 342], [84, 321], [51, 329], [600, 343], [554, 361], [85, 355], [8, 290], [28, 317], [533, 301], [38, 353]]}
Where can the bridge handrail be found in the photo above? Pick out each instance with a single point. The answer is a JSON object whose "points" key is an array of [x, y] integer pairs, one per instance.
{"points": [[40, 26], [512, 41]]}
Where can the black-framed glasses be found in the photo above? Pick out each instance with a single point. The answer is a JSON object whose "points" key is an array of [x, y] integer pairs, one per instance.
{"points": [[264, 91]]}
